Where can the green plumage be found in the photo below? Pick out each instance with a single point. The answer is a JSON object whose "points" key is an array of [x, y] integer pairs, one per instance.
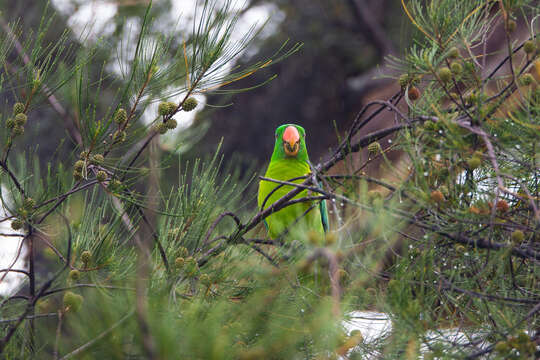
{"points": [[285, 167]]}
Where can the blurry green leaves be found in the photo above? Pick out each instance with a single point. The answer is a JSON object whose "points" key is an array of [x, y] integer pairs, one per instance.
{"points": [[202, 62], [212, 50], [36, 69], [161, 66], [100, 238], [6, 46], [434, 22], [270, 321], [443, 52], [195, 203]]}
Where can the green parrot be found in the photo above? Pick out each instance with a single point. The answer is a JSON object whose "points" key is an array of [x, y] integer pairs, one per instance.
{"points": [[290, 160]]}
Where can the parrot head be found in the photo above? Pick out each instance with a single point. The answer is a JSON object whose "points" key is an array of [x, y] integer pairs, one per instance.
{"points": [[290, 142]]}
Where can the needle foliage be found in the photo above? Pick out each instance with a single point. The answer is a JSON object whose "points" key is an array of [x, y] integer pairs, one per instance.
{"points": [[133, 252]]}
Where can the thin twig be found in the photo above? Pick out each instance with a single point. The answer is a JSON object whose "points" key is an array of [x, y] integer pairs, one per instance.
{"points": [[87, 345], [58, 334]]}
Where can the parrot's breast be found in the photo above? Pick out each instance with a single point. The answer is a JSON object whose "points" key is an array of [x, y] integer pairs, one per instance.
{"points": [[278, 222]]}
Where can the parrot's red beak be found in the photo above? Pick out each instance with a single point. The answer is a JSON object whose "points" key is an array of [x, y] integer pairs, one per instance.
{"points": [[291, 141]]}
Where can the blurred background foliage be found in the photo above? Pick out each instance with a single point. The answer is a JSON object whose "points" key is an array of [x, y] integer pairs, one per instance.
{"points": [[323, 86], [320, 88], [421, 231]]}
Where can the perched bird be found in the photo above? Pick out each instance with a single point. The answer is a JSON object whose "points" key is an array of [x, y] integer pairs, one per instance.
{"points": [[290, 160]]}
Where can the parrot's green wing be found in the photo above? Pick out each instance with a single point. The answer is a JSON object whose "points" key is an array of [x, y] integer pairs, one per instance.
{"points": [[324, 215], [323, 209]]}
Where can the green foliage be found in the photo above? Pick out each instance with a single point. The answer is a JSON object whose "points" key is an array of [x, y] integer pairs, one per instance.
{"points": [[136, 253]]}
